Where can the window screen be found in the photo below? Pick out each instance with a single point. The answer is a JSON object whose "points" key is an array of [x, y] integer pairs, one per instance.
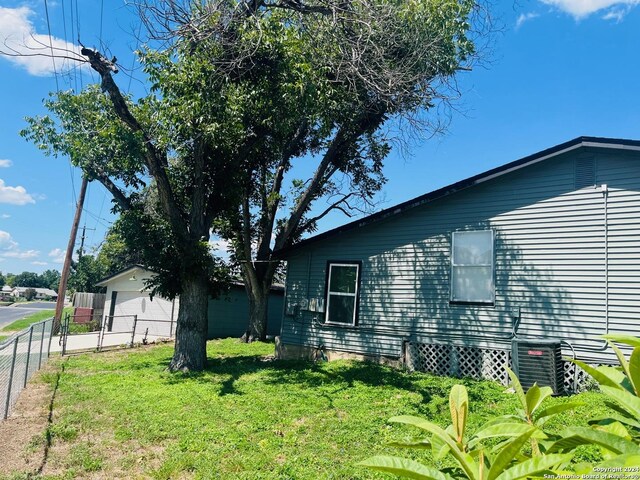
{"points": [[342, 293], [472, 267]]}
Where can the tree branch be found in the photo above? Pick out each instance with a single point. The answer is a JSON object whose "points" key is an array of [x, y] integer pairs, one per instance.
{"points": [[118, 195], [333, 206], [154, 159], [329, 164]]}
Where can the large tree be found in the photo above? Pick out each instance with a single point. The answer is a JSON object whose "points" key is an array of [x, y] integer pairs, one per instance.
{"points": [[366, 71], [239, 90]]}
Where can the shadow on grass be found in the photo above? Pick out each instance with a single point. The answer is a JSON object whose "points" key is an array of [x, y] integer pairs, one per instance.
{"points": [[331, 377]]}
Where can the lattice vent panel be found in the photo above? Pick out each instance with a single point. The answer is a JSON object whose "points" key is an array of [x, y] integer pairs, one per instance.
{"points": [[460, 361], [576, 379], [480, 363]]}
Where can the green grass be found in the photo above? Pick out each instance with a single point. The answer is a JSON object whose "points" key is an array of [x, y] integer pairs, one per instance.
{"points": [[29, 320], [122, 414]]}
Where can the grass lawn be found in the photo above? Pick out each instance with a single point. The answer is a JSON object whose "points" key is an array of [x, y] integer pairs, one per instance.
{"points": [[29, 320], [123, 415]]}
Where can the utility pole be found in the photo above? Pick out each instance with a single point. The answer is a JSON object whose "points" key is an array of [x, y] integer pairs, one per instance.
{"points": [[84, 229], [64, 277]]}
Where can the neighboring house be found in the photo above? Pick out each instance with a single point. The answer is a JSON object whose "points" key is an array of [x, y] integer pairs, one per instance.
{"points": [[41, 293], [6, 292], [127, 297], [548, 246]]}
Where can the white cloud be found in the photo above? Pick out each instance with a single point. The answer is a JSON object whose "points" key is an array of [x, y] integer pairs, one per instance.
{"points": [[6, 215], [20, 254], [614, 9], [57, 255], [39, 263], [525, 17], [616, 14], [14, 195], [6, 242], [9, 248], [4, 163], [33, 49]]}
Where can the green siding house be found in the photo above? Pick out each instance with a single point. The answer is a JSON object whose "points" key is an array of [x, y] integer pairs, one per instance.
{"points": [[545, 247], [127, 297]]}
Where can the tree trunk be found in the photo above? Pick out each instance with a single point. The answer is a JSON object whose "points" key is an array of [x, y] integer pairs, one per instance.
{"points": [[190, 352], [258, 308]]}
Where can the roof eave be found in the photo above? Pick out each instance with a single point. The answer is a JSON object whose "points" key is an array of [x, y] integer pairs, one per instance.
{"points": [[576, 143]]}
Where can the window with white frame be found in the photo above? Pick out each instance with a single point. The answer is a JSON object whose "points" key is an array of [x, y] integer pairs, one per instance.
{"points": [[472, 264], [342, 292]]}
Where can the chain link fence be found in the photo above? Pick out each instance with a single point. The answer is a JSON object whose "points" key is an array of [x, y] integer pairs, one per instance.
{"points": [[21, 355]]}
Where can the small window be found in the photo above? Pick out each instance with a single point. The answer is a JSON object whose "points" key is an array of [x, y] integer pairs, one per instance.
{"points": [[472, 267], [342, 293]]}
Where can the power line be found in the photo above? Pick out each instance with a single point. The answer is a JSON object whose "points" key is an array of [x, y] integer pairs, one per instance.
{"points": [[53, 57], [73, 36], [133, 62], [101, 17]]}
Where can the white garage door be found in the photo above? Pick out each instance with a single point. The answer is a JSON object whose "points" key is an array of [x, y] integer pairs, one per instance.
{"points": [[154, 315]]}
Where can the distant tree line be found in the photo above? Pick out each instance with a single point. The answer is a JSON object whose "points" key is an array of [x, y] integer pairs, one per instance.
{"points": [[47, 279], [86, 271]]}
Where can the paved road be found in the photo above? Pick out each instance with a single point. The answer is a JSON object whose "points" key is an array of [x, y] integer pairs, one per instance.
{"points": [[11, 314], [45, 305]]}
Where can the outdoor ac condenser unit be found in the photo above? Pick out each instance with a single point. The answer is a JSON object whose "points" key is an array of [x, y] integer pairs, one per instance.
{"points": [[538, 361]]}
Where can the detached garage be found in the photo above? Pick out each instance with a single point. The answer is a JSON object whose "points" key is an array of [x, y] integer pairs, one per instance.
{"points": [[128, 300]]}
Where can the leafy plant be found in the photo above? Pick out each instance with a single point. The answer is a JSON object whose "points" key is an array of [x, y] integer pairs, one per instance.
{"points": [[618, 433], [621, 385], [504, 461], [532, 414]]}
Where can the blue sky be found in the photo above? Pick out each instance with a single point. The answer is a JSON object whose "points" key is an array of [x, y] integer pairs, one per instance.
{"points": [[559, 69]]}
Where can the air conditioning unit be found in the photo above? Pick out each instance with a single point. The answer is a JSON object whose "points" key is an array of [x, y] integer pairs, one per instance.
{"points": [[538, 361]]}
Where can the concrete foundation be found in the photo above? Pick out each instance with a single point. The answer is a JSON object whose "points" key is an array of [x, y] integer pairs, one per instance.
{"points": [[307, 352]]}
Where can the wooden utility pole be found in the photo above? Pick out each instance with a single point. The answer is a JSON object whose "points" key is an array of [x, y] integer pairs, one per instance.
{"points": [[62, 289]]}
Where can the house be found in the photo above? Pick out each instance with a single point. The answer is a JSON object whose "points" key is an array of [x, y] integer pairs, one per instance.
{"points": [[7, 292], [127, 296], [41, 293], [546, 247]]}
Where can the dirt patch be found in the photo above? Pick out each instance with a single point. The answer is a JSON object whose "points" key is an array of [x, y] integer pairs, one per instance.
{"points": [[22, 435]]}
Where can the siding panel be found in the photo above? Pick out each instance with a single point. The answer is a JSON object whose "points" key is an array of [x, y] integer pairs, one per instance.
{"points": [[550, 263]]}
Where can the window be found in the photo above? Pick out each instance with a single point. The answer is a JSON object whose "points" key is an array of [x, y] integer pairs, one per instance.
{"points": [[342, 293], [472, 267]]}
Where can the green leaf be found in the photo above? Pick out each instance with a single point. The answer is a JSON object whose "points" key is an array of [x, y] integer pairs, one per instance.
{"points": [[402, 466], [621, 358], [535, 396], [630, 340], [603, 375], [464, 459], [504, 430], [576, 436], [630, 402], [615, 417], [629, 460], [563, 407], [634, 370], [421, 444], [507, 454], [617, 429], [459, 407], [534, 466], [518, 389]]}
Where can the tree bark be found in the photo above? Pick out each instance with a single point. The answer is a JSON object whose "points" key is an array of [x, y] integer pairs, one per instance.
{"points": [[190, 352], [258, 309], [258, 281]]}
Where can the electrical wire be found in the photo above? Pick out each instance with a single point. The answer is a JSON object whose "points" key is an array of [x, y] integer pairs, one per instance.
{"points": [[101, 19], [53, 57]]}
